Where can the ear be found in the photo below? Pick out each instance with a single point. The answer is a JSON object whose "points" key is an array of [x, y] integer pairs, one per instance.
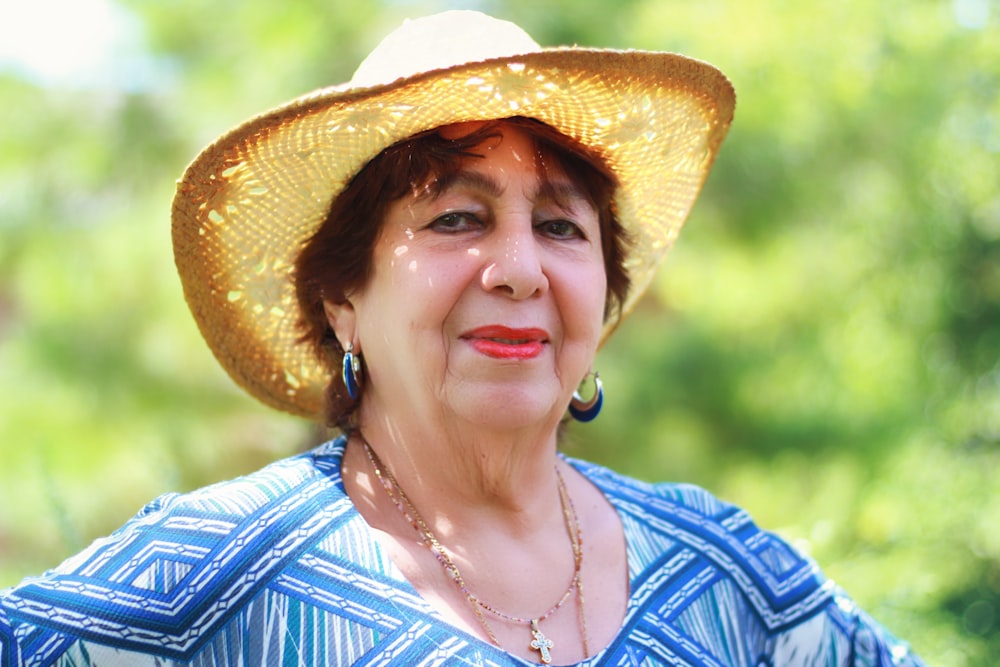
{"points": [[343, 321]]}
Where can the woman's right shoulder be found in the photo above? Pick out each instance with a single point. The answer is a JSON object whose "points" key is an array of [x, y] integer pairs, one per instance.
{"points": [[217, 507], [127, 573]]}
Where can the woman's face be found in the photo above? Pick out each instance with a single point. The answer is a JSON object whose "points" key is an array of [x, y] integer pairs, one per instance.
{"points": [[486, 298]]}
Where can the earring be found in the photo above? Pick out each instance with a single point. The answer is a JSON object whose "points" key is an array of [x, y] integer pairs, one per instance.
{"points": [[352, 372], [585, 411]]}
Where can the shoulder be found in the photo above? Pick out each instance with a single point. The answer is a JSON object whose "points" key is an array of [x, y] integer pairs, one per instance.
{"points": [[182, 564], [695, 554], [297, 477], [686, 539], [669, 516], [634, 495]]}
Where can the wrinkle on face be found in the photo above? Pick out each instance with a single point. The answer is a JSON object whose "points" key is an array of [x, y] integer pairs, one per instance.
{"points": [[435, 291]]}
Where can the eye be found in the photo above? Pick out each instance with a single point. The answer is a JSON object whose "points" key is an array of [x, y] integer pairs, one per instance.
{"points": [[560, 229], [455, 221]]}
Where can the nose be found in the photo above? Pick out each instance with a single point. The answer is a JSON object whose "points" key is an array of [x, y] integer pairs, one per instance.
{"points": [[513, 264]]}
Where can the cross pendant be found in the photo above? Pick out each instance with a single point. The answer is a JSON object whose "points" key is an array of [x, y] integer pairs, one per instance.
{"points": [[541, 643]]}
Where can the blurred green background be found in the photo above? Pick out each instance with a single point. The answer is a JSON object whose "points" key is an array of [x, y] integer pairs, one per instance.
{"points": [[822, 347]]}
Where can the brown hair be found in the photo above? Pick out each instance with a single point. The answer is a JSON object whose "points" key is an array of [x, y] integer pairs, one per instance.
{"points": [[337, 258]]}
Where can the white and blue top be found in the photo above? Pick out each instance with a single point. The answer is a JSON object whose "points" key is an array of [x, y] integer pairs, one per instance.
{"points": [[278, 568]]}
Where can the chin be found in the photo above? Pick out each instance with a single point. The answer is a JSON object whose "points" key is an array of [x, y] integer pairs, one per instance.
{"points": [[506, 410]]}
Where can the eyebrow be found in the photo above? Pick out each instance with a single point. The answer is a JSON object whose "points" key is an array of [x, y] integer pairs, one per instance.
{"points": [[473, 180], [562, 192]]}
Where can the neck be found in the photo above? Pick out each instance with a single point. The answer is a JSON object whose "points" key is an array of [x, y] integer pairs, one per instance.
{"points": [[500, 514], [460, 465]]}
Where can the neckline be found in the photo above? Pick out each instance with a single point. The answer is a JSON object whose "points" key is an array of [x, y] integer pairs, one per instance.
{"points": [[336, 449]]}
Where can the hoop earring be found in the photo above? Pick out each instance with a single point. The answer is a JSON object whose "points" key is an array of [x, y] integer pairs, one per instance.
{"points": [[351, 372], [585, 411]]}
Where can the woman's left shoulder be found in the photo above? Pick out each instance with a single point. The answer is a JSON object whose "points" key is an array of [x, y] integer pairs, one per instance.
{"points": [[680, 495], [681, 513], [805, 613]]}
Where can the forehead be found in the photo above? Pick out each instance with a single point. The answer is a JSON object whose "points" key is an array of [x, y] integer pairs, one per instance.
{"points": [[506, 146], [482, 141]]}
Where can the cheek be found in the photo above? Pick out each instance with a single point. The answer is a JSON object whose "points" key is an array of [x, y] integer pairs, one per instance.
{"points": [[424, 290], [583, 301]]}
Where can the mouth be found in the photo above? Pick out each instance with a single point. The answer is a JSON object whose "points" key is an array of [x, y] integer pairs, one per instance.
{"points": [[500, 342]]}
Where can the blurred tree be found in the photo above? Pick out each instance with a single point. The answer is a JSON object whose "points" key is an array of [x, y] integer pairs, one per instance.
{"points": [[821, 347]]}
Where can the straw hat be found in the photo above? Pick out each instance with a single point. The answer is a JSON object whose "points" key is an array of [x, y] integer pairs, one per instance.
{"points": [[247, 203]]}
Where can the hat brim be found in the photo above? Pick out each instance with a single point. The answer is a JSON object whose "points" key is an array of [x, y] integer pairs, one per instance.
{"points": [[247, 203]]}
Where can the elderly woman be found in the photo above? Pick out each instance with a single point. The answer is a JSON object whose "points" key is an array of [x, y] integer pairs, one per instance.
{"points": [[429, 258]]}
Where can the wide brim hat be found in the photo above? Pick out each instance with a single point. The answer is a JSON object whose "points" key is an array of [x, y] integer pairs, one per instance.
{"points": [[248, 202]]}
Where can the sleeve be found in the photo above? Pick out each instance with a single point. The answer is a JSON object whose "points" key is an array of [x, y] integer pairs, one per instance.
{"points": [[20, 614], [843, 634], [9, 653], [871, 644]]}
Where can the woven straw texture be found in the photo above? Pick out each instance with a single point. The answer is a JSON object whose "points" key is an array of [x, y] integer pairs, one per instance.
{"points": [[247, 203]]}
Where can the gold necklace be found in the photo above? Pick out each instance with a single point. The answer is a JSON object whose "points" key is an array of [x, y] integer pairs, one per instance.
{"points": [[539, 642]]}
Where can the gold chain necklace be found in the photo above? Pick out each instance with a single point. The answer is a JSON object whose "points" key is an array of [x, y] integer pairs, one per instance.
{"points": [[539, 642]]}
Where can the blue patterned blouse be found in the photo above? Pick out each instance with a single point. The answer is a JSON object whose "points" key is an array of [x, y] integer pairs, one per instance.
{"points": [[277, 568]]}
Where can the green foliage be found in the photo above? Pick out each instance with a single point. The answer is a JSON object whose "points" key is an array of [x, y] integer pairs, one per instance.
{"points": [[822, 347]]}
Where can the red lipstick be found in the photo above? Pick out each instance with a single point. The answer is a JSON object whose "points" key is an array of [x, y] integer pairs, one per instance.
{"points": [[502, 342]]}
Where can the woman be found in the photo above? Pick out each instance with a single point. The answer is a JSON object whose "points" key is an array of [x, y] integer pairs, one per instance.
{"points": [[430, 257]]}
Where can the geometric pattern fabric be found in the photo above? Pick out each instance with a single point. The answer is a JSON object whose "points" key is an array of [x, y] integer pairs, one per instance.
{"points": [[277, 568]]}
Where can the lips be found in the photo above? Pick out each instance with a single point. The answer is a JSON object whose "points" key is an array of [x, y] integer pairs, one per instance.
{"points": [[502, 342]]}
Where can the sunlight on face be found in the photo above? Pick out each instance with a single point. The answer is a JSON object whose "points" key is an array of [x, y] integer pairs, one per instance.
{"points": [[488, 290]]}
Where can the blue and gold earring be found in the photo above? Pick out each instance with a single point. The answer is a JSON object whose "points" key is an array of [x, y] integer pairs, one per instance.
{"points": [[585, 411], [352, 372]]}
